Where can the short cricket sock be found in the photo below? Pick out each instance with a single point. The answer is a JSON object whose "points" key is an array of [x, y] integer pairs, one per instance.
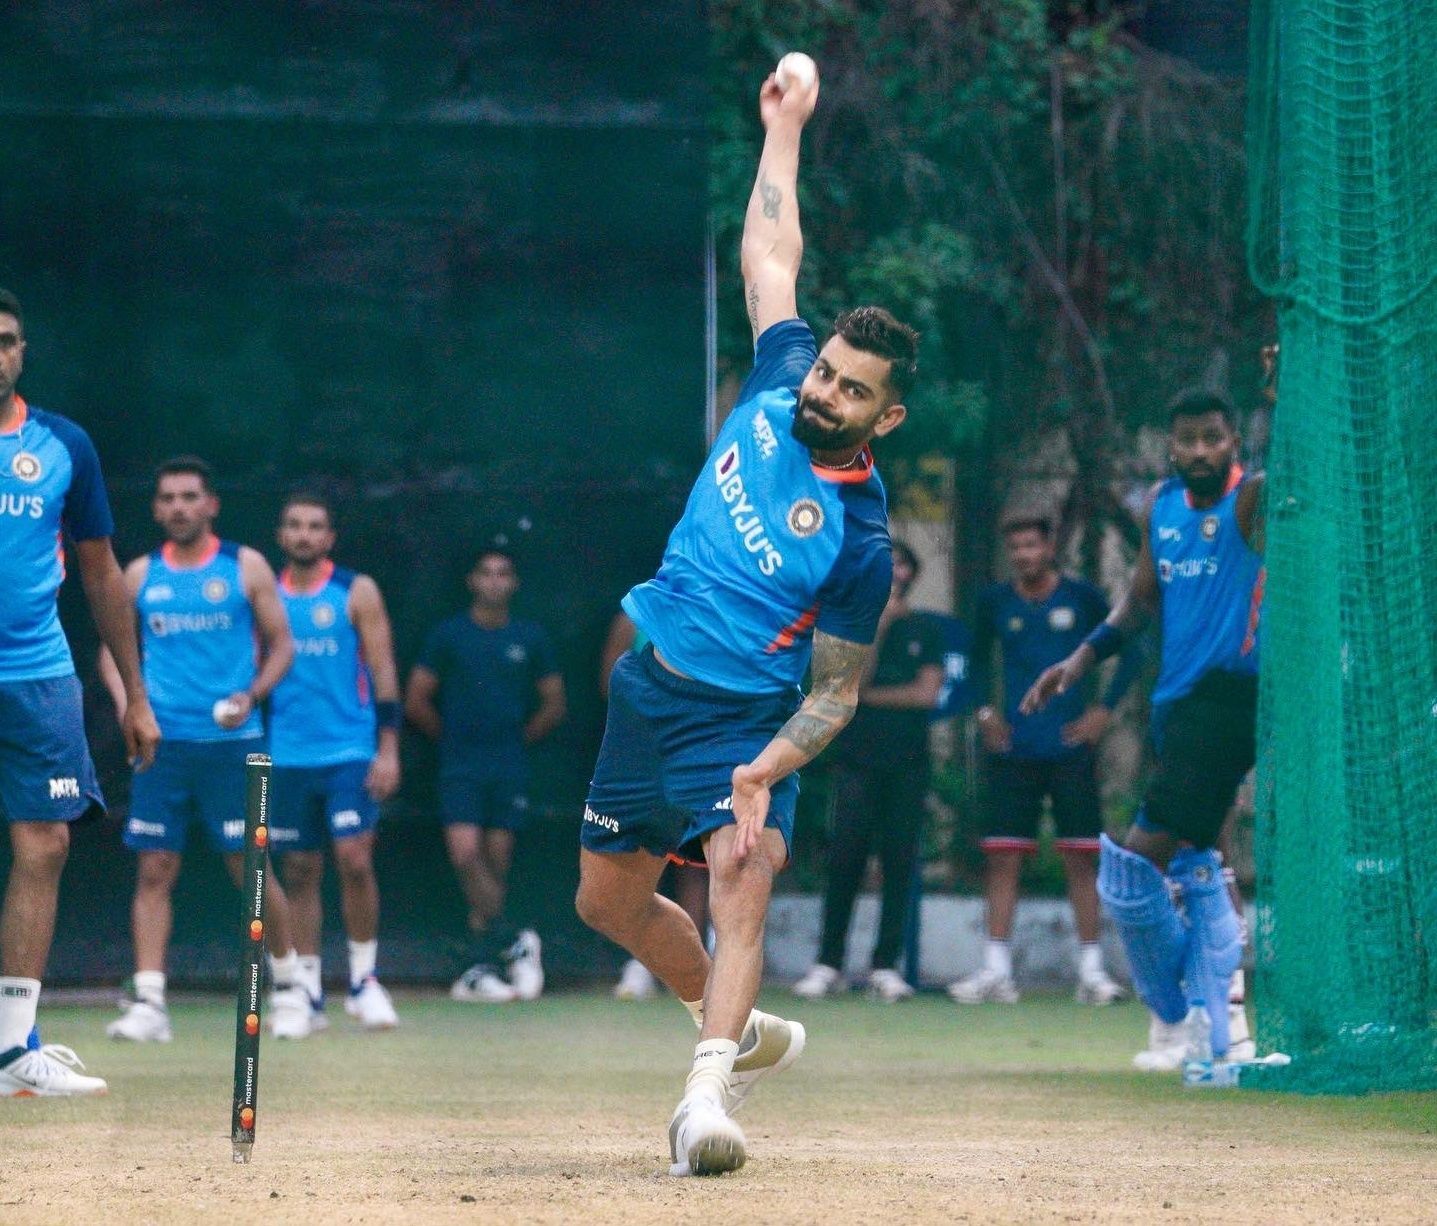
{"points": [[284, 972], [998, 958], [713, 1065], [18, 1001], [1090, 961], [696, 1011], [150, 987], [362, 958], [311, 975]]}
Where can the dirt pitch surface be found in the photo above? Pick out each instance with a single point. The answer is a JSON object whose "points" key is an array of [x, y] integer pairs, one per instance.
{"points": [[556, 1112]]}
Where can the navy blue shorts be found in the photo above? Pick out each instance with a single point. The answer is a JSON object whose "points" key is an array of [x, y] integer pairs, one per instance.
{"points": [[202, 781], [664, 778], [491, 802], [312, 804], [45, 770]]}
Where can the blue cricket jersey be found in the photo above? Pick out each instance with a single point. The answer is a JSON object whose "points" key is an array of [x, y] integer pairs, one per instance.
{"points": [[770, 546], [322, 711], [197, 632], [1035, 634], [50, 484], [1211, 582]]}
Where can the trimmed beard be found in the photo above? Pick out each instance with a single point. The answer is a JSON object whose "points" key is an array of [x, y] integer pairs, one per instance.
{"points": [[824, 437]]}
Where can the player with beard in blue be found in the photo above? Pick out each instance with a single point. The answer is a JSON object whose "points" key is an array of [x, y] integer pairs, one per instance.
{"points": [[50, 487], [1200, 567], [782, 556]]}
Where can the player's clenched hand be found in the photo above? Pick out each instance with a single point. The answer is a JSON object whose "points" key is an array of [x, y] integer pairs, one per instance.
{"points": [[382, 779], [750, 807], [795, 103], [142, 733], [1058, 679], [1089, 728]]}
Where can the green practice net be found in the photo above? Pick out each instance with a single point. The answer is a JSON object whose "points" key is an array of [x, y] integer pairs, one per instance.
{"points": [[1343, 147]]}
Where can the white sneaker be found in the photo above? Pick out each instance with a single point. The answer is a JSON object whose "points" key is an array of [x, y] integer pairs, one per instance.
{"points": [[481, 983], [768, 1044], [984, 987], [820, 981], [703, 1140], [889, 986], [1167, 1047], [526, 971], [291, 1012], [49, 1072], [1099, 990], [371, 1005], [636, 982], [141, 1021], [318, 1019]]}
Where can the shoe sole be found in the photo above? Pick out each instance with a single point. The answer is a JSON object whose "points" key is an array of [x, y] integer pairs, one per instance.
{"points": [[717, 1155], [100, 1093], [1098, 1000]]}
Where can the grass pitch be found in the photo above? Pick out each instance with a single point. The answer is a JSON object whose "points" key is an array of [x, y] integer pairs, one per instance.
{"points": [[556, 1112]]}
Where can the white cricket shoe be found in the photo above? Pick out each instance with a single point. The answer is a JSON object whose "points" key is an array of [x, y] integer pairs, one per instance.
{"points": [[49, 1072], [141, 1021], [984, 987], [889, 986], [703, 1140], [291, 1012], [768, 1044], [370, 1004], [481, 983], [636, 982], [820, 981], [1167, 1047], [1240, 1044], [318, 1018], [526, 971], [1099, 989]]}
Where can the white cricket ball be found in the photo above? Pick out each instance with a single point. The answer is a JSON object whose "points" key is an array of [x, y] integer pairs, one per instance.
{"points": [[796, 69], [225, 709]]}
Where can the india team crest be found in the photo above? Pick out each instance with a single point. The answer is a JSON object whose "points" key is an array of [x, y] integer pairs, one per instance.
{"points": [[516, 653], [26, 466], [1209, 527], [323, 616], [215, 590], [805, 517], [1061, 618], [1015, 625]]}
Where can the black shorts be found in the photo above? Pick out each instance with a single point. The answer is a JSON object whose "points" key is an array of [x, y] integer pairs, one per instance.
{"points": [[1016, 788], [1206, 742]]}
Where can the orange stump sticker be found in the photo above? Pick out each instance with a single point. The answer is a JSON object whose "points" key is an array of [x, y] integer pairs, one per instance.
{"points": [[246, 1117], [261, 836], [251, 1024], [256, 930]]}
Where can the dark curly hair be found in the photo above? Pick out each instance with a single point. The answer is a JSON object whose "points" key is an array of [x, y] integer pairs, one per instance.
{"points": [[876, 331]]}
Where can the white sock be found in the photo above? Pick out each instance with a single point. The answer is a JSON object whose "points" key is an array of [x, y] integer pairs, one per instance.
{"points": [[696, 1011], [998, 958], [362, 957], [311, 974], [1090, 960], [18, 1001], [150, 986], [284, 972], [713, 1063]]}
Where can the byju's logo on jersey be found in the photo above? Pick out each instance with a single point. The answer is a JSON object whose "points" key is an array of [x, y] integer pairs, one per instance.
{"points": [[26, 466], [215, 590], [742, 513]]}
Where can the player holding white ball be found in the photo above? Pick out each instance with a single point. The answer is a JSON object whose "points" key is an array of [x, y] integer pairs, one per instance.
{"points": [[202, 605]]}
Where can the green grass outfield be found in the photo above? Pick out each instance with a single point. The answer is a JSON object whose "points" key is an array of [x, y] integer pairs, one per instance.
{"points": [[556, 1111]]}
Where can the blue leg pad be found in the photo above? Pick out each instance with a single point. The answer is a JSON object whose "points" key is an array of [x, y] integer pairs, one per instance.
{"points": [[1215, 948], [1135, 896]]}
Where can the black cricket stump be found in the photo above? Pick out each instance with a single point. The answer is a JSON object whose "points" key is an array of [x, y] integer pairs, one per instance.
{"points": [[251, 967]]}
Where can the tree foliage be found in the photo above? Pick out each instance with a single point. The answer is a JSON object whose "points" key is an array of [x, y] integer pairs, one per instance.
{"points": [[1056, 207]]}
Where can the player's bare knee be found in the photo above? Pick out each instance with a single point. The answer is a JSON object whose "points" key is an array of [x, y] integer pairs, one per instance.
{"points": [[40, 848], [156, 872], [354, 861], [303, 871]]}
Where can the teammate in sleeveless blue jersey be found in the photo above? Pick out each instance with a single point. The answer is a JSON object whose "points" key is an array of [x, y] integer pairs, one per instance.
{"points": [[1200, 565], [50, 489], [486, 686], [334, 738], [215, 644], [1037, 619], [779, 565]]}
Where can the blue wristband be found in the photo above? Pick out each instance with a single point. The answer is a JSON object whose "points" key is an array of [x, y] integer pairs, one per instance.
{"points": [[1106, 640], [387, 709]]}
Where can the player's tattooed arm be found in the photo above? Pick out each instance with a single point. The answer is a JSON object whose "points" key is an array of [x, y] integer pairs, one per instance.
{"points": [[839, 668], [772, 248]]}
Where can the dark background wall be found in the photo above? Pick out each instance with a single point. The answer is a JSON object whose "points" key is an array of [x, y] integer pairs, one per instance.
{"points": [[445, 261]]}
